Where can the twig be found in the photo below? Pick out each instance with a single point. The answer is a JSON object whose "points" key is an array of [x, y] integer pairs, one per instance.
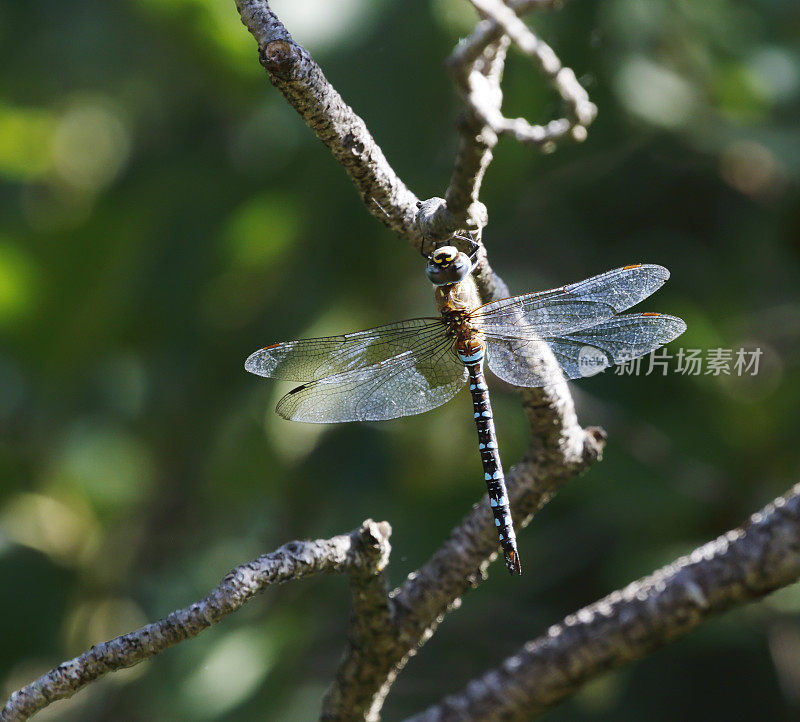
{"points": [[292, 70], [489, 31], [740, 566], [362, 554], [484, 101], [475, 145], [476, 65]]}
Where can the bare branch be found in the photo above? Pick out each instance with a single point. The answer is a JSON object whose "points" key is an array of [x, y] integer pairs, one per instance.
{"points": [[372, 625], [368, 670], [387, 629], [484, 99], [361, 554], [476, 65], [292, 70], [384, 631], [740, 566], [476, 142], [483, 53], [489, 31]]}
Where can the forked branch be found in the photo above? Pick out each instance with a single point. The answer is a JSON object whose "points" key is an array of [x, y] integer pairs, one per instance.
{"points": [[477, 66], [372, 662], [386, 629], [362, 554], [741, 566]]}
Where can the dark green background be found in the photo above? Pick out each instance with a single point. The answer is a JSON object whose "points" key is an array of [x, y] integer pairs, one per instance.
{"points": [[163, 213]]}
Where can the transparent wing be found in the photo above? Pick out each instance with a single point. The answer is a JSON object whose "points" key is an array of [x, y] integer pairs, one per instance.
{"points": [[314, 358], [570, 308], [584, 352], [407, 384]]}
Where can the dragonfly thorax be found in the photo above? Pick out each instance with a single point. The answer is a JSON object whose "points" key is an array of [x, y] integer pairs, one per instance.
{"points": [[455, 303], [457, 297]]}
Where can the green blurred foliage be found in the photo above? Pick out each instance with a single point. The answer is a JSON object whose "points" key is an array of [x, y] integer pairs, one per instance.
{"points": [[163, 213]]}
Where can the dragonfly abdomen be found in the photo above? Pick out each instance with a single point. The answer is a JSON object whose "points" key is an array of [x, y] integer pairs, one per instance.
{"points": [[472, 358]]}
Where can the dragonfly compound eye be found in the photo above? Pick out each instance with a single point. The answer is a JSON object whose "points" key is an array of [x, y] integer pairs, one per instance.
{"points": [[444, 256], [447, 265]]}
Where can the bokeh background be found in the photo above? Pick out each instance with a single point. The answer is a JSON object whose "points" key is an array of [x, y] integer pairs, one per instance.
{"points": [[163, 213]]}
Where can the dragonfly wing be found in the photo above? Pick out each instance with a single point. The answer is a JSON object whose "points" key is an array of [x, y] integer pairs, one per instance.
{"points": [[570, 308], [516, 360], [315, 358], [584, 352], [615, 341], [407, 384]]}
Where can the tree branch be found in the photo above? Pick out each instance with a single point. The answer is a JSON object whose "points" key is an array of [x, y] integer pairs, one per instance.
{"points": [[476, 65], [371, 624], [362, 554], [484, 101], [372, 661], [386, 633], [292, 70], [739, 567], [387, 629]]}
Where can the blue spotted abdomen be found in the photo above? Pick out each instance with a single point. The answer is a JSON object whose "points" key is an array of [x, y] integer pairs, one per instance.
{"points": [[490, 458]]}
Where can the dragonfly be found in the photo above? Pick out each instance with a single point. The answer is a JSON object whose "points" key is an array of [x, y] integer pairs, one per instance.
{"points": [[409, 367]]}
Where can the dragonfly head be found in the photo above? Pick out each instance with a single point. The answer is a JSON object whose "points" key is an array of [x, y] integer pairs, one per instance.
{"points": [[447, 265]]}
